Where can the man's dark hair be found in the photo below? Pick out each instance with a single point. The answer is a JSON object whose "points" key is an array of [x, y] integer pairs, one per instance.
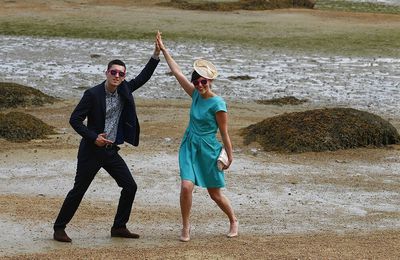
{"points": [[116, 62], [195, 76]]}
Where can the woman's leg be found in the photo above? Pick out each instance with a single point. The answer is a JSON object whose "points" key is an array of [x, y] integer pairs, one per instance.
{"points": [[186, 205], [224, 204]]}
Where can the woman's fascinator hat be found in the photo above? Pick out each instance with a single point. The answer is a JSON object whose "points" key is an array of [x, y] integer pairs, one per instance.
{"points": [[205, 69]]}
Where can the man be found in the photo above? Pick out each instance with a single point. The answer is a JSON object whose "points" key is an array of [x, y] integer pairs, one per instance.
{"points": [[111, 119]]}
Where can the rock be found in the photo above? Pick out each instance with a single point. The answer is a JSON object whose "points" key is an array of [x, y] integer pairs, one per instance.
{"points": [[95, 56], [242, 77], [289, 100]]}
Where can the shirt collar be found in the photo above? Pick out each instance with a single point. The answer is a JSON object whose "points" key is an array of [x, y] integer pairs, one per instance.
{"points": [[108, 93]]}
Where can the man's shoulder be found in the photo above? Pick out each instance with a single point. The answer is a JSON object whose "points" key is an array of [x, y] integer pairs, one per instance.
{"points": [[123, 88], [96, 88]]}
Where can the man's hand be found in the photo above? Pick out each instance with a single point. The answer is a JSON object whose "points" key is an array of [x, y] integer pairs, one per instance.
{"points": [[156, 47], [102, 140]]}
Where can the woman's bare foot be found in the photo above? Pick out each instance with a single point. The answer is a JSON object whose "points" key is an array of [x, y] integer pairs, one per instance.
{"points": [[185, 235], [233, 230]]}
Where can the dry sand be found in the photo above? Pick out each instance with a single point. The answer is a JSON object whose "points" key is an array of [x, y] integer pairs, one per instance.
{"points": [[330, 205]]}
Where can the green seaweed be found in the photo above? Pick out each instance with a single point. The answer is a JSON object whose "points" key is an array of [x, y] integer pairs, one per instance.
{"points": [[321, 130], [22, 127], [14, 95]]}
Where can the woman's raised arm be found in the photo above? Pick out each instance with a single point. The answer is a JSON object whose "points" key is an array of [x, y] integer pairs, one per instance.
{"points": [[175, 69]]}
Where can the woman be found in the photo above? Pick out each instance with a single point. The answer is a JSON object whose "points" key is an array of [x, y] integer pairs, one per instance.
{"points": [[200, 148]]}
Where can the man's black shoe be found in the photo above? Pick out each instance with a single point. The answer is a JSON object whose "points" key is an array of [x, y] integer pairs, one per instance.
{"points": [[61, 236], [123, 232]]}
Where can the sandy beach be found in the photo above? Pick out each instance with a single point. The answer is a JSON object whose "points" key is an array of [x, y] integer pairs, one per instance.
{"points": [[338, 205], [326, 205]]}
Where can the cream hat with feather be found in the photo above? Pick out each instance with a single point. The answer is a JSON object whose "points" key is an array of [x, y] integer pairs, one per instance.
{"points": [[205, 69]]}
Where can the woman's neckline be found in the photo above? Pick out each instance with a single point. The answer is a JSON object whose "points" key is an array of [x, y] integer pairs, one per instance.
{"points": [[205, 98]]}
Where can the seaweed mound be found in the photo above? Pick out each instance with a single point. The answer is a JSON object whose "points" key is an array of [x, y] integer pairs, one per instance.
{"points": [[14, 95], [321, 130], [241, 4], [20, 127]]}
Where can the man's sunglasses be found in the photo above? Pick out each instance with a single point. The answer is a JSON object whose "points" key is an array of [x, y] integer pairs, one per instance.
{"points": [[197, 82], [120, 73]]}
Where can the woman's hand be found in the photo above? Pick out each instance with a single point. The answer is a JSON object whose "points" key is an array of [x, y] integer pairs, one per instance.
{"points": [[222, 121], [230, 160], [174, 67]]}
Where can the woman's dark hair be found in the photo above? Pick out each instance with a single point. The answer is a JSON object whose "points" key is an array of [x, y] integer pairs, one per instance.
{"points": [[195, 76], [116, 62]]}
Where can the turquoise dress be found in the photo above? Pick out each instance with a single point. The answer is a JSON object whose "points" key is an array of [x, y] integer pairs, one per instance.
{"points": [[200, 147]]}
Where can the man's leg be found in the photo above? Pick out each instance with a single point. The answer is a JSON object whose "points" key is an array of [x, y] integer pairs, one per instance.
{"points": [[84, 176], [118, 169]]}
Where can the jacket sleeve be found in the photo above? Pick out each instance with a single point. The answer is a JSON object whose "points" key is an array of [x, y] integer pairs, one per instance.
{"points": [[79, 115], [144, 75]]}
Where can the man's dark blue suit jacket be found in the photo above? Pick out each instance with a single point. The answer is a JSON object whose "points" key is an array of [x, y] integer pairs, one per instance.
{"points": [[93, 107]]}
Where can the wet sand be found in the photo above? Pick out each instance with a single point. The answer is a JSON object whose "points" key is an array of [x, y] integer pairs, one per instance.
{"points": [[368, 83]]}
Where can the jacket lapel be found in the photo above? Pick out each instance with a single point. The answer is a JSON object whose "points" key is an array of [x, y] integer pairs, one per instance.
{"points": [[122, 90], [102, 97]]}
